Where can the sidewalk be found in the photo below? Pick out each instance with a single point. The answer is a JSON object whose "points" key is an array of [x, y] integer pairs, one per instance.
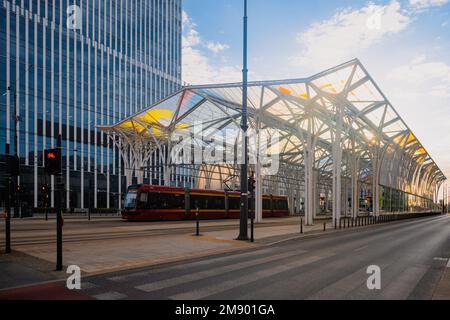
{"points": [[443, 289], [19, 269]]}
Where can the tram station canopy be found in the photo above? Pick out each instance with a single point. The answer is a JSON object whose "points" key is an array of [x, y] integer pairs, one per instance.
{"points": [[337, 122]]}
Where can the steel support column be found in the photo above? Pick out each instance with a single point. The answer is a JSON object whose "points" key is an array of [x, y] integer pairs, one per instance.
{"points": [[309, 185], [337, 164], [355, 188]]}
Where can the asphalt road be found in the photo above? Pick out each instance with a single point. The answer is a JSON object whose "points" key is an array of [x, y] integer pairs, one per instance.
{"points": [[411, 254]]}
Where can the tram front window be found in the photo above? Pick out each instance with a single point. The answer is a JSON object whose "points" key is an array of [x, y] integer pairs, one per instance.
{"points": [[130, 200]]}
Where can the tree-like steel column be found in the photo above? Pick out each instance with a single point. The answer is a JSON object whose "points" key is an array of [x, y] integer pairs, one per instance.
{"points": [[258, 176], [355, 186], [308, 165], [337, 163]]}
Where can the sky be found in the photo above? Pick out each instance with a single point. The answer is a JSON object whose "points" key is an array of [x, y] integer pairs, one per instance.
{"points": [[404, 45]]}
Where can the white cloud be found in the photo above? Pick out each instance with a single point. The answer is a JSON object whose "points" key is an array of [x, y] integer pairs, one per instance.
{"points": [[425, 4], [422, 78], [217, 47], [347, 34], [198, 67], [420, 91]]}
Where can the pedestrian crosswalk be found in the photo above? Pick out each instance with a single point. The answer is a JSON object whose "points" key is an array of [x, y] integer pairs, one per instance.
{"points": [[189, 265], [190, 277], [176, 281], [241, 281]]}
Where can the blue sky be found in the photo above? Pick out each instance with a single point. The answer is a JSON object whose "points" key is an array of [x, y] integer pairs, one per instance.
{"points": [[407, 50]]}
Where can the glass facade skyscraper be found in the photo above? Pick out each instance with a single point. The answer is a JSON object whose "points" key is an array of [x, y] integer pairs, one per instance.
{"points": [[75, 64]]}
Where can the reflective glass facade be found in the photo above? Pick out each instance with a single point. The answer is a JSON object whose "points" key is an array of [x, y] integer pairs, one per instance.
{"points": [[119, 57]]}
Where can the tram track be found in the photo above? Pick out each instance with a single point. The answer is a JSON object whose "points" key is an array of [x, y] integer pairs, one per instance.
{"points": [[31, 240]]}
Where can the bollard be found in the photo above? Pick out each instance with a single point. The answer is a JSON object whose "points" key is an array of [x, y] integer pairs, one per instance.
{"points": [[340, 223], [335, 223], [197, 216], [301, 225], [324, 226], [252, 229]]}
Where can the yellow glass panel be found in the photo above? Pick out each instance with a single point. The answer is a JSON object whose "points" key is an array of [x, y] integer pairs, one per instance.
{"points": [[284, 90], [304, 96], [411, 138], [127, 125], [157, 116], [329, 86], [420, 152]]}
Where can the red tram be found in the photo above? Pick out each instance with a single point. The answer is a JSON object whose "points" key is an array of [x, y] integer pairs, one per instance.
{"points": [[155, 203]]}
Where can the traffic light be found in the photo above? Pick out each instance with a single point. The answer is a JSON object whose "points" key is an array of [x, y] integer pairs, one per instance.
{"points": [[14, 166], [53, 162], [45, 190], [251, 185]]}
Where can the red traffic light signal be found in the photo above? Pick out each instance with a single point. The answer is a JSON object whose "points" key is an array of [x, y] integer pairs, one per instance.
{"points": [[51, 155], [53, 162]]}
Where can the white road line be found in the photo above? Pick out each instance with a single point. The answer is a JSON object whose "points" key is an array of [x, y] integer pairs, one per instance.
{"points": [[231, 284], [403, 285], [342, 287], [202, 263], [149, 287], [360, 249], [111, 295]]}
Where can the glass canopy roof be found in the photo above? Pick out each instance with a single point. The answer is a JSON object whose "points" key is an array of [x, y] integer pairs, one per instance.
{"points": [[294, 108]]}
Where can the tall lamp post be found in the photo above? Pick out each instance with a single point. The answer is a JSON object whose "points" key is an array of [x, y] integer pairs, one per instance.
{"points": [[243, 228]]}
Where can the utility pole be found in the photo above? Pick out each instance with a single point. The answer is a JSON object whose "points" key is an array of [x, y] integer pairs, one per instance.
{"points": [[243, 228]]}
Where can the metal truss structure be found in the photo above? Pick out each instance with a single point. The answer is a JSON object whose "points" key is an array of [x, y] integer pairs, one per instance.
{"points": [[338, 134]]}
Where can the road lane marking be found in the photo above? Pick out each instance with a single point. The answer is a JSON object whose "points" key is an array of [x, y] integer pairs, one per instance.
{"points": [[360, 248], [127, 277], [158, 285], [341, 287], [402, 285], [249, 278], [111, 295]]}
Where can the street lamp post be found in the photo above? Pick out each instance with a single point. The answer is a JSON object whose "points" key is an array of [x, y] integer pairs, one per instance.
{"points": [[243, 230]]}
